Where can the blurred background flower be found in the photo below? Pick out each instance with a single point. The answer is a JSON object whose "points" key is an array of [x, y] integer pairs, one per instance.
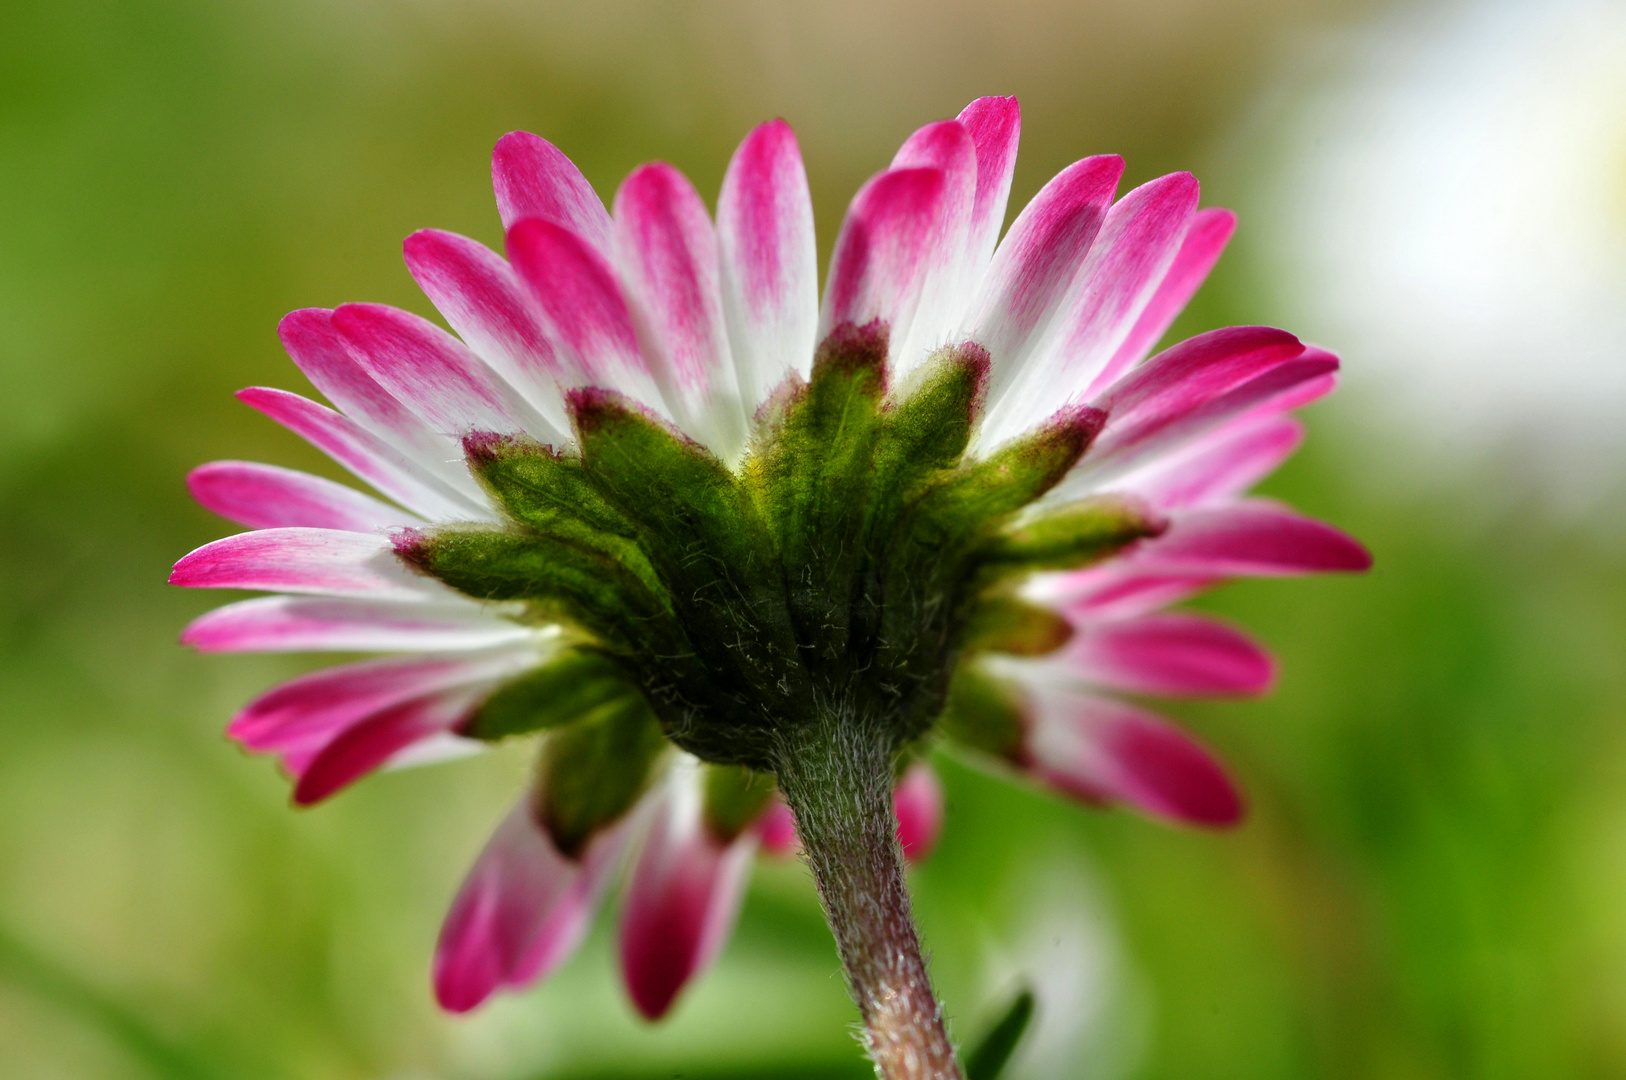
{"points": [[1431, 882], [1450, 203]]}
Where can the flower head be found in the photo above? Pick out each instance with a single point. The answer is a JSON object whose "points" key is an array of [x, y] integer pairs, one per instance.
{"points": [[658, 503]]}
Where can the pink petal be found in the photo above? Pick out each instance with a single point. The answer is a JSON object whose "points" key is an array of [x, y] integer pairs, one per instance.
{"points": [[576, 288], [365, 746], [1173, 654], [949, 275], [1194, 371], [319, 623], [401, 477], [534, 179], [320, 350], [1253, 538], [1104, 751], [521, 911], [1118, 591], [315, 707], [268, 497], [435, 750], [1023, 290], [485, 302], [1138, 241], [769, 264], [1211, 230], [1154, 432], [776, 829], [433, 373], [1178, 381], [1220, 466], [995, 125], [884, 251], [392, 738], [667, 252], [567, 923], [1307, 378], [682, 901], [947, 146], [917, 800], [1300, 393], [322, 561]]}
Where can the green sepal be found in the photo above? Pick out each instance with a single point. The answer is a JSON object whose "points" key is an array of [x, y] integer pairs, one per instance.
{"points": [[984, 713], [732, 798], [562, 691], [561, 580], [811, 479], [931, 424], [703, 535], [540, 487], [1019, 472], [591, 773], [1004, 624], [548, 493], [1072, 536], [929, 584], [922, 439], [944, 525]]}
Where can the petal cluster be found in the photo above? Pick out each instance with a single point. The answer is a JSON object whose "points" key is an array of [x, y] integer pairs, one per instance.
{"points": [[704, 322]]}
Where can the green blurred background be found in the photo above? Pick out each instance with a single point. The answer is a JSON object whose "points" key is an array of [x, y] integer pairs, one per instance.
{"points": [[1432, 882]]}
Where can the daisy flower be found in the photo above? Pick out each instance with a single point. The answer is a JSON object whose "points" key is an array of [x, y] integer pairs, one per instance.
{"points": [[740, 555]]}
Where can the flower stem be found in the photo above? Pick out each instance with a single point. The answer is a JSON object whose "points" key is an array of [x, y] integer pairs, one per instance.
{"points": [[838, 782]]}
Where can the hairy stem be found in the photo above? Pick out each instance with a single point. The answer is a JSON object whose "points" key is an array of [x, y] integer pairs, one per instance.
{"points": [[838, 782]]}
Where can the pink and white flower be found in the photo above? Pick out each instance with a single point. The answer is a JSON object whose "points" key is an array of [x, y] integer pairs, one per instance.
{"points": [[701, 321]]}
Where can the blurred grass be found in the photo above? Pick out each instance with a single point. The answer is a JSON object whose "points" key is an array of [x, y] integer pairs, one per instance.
{"points": [[1430, 884]]}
